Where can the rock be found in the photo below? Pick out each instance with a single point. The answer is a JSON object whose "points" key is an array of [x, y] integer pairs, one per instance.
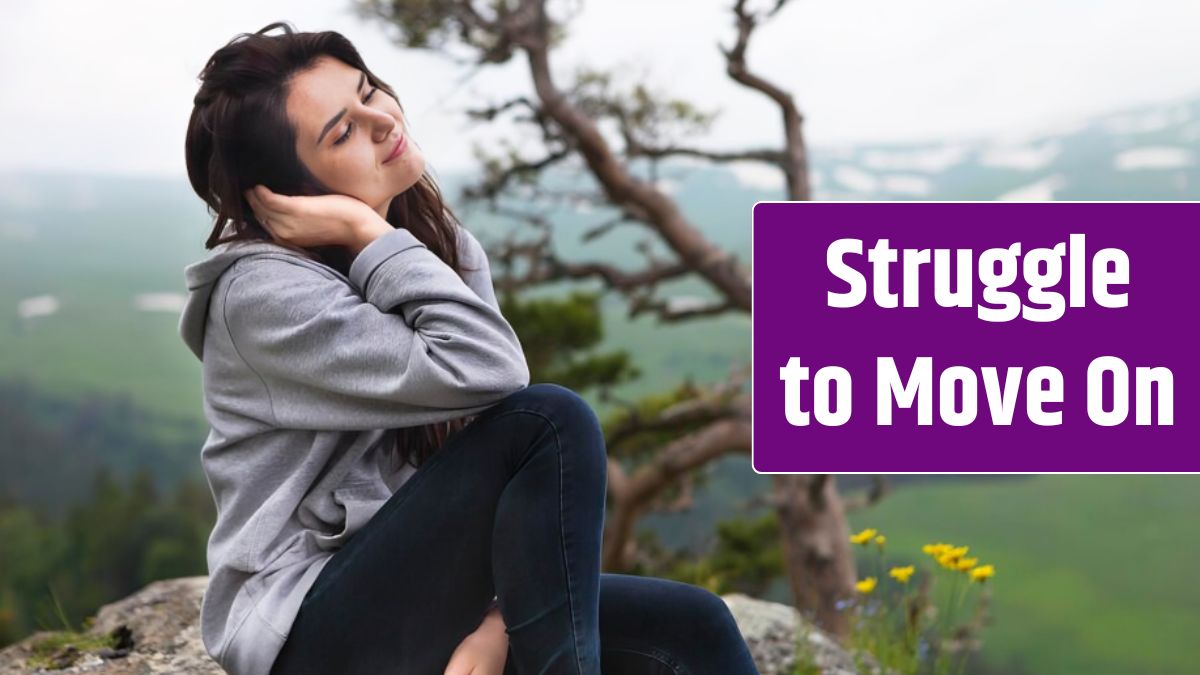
{"points": [[157, 630], [772, 630]]}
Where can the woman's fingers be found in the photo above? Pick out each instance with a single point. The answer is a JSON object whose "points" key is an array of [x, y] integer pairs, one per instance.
{"points": [[252, 200], [261, 211], [274, 202]]}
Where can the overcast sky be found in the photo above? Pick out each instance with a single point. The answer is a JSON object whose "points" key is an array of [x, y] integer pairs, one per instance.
{"points": [[107, 86]]}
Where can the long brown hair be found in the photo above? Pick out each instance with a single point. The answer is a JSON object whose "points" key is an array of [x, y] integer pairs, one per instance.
{"points": [[239, 136]]}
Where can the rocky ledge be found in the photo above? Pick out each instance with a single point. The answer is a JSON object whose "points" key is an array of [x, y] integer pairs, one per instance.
{"points": [[157, 630]]}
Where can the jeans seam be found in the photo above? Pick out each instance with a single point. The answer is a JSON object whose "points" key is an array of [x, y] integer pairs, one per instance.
{"points": [[655, 654], [561, 527]]}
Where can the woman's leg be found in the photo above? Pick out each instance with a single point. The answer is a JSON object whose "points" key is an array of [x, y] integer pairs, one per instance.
{"points": [[652, 626], [512, 506]]}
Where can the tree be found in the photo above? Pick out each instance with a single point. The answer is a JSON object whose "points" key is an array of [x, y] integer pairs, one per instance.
{"points": [[692, 426]]}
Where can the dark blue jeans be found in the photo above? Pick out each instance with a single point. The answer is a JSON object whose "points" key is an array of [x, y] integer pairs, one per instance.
{"points": [[511, 506]]}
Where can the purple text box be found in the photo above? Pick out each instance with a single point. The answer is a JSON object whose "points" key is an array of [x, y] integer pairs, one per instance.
{"points": [[791, 318]]}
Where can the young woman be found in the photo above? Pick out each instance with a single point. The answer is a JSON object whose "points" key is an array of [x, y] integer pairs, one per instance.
{"points": [[392, 497]]}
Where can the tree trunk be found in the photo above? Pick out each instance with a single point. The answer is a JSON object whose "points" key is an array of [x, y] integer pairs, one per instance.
{"points": [[816, 548]]}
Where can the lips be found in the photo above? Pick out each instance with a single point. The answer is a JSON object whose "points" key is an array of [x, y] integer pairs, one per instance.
{"points": [[398, 149]]}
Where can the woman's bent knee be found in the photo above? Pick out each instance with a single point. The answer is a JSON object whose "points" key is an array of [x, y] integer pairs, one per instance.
{"points": [[561, 405], [566, 415], [706, 611]]}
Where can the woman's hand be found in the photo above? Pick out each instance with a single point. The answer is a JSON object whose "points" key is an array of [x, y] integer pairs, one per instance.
{"points": [[324, 220], [482, 652]]}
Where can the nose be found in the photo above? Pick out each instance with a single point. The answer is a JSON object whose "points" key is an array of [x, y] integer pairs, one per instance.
{"points": [[382, 124]]}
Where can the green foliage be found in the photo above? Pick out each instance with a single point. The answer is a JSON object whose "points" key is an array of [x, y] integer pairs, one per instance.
{"points": [[560, 336], [422, 24], [650, 117], [40, 434], [745, 558], [748, 554], [55, 573], [438, 25], [645, 441]]}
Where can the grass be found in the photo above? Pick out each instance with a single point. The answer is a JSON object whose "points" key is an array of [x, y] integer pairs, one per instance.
{"points": [[1093, 573], [60, 649]]}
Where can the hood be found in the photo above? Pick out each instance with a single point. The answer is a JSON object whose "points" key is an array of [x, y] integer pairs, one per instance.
{"points": [[201, 277]]}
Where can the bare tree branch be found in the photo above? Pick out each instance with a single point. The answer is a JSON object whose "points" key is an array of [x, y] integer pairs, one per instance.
{"points": [[772, 157], [795, 160]]}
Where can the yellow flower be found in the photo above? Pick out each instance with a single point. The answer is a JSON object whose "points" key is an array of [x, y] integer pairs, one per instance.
{"points": [[881, 540], [864, 536], [866, 585], [902, 574], [965, 564], [949, 556], [983, 573], [935, 550]]}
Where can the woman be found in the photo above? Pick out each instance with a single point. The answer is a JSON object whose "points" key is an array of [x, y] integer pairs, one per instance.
{"points": [[391, 495]]}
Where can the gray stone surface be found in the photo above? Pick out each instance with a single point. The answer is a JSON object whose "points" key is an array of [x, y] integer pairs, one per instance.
{"points": [[772, 630], [163, 622]]}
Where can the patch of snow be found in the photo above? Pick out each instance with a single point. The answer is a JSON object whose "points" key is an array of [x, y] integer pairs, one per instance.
{"points": [[39, 305], [757, 175], [686, 303], [667, 186], [1040, 191], [1052, 127], [1022, 157], [907, 184], [686, 161], [856, 179], [843, 152], [927, 160], [159, 302], [1148, 121], [1154, 157]]}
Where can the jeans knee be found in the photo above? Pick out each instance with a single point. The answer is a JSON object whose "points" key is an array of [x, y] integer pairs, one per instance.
{"points": [[572, 419], [709, 611], [562, 405]]}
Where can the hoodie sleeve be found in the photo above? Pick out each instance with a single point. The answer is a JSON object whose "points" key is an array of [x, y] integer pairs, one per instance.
{"points": [[477, 272], [410, 344]]}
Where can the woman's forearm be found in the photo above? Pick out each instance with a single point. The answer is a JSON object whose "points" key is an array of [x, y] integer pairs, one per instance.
{"points": [[363, 232]]}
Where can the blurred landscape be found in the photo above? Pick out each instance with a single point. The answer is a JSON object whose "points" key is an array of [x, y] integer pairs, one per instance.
{"points": [[96, 386]]}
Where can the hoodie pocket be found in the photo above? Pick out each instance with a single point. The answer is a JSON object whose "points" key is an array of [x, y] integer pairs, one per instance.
{"points": [[360, 502]]}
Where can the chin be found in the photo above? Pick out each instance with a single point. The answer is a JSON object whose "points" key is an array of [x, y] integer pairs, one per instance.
{"points": [[417, 165], [412, 176]]}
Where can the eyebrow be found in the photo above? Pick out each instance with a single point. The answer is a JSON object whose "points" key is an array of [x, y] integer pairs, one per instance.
{"points": [[329, 125]]}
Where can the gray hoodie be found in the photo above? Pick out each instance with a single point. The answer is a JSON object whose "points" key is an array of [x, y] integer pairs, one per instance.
{"points": [[305, 373]]}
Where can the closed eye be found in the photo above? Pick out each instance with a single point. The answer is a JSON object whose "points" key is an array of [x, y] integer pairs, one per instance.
{"points": [[350, 125]]}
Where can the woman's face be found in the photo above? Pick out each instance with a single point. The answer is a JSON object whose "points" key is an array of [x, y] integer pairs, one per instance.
{"points": [[344, 133]]}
